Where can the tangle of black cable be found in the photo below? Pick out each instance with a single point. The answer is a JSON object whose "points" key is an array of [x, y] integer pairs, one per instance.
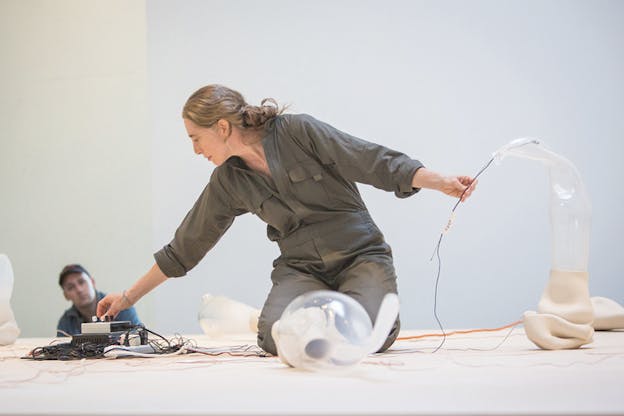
{"points": [[437, 253], [166, 346], [69, 351]]}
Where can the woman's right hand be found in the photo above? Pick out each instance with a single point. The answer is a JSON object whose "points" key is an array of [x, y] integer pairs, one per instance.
{"points": [[114, 303], [111, 305]]}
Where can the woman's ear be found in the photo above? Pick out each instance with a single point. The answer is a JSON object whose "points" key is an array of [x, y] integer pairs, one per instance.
{"points": [[224, 128]]}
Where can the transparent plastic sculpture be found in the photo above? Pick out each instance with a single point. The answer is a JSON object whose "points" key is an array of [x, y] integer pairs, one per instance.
{"points": [[564, 314], [9, 331], [328, 330], [219, 316]]}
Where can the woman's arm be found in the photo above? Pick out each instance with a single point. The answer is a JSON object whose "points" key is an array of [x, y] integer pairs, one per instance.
{"points": [[114, 303], [457, 186]]}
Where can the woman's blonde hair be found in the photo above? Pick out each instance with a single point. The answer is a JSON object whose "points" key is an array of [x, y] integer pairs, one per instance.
{"points": [[213, 102]]}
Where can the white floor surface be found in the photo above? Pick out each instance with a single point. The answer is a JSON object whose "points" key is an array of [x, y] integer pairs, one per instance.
{"points": [[480, 373]]}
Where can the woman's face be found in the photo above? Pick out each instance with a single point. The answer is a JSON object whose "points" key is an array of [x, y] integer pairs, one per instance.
{"points": [[210, 142]]}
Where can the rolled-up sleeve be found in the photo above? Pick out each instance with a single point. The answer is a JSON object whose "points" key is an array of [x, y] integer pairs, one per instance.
{"points": [[355, 159], [201, 229]]}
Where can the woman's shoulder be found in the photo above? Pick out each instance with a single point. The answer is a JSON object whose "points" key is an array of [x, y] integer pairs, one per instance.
{"points": [[295, 122], [296, 118], [225, 171]]}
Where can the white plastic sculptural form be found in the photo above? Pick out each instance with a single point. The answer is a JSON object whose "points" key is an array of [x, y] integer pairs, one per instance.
{"points": [[9, 330], [565, 313]]}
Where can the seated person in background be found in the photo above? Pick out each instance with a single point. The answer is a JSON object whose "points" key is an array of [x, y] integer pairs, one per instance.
{"points": [[79, 288]]}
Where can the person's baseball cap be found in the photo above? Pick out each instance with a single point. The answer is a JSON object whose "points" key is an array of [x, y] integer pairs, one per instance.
{"points": [[71, 269]]}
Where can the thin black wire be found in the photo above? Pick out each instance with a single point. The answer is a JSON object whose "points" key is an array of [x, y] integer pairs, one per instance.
{"points": [[436, 252]]}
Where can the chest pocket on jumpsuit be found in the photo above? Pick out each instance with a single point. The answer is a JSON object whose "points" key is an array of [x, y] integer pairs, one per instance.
{"points": [[308, 181]]}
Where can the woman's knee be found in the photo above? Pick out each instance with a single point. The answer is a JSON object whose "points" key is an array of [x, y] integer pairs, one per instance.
{"points": [[265, 338]]}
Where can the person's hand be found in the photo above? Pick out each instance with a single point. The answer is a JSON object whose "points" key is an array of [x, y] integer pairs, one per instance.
{"points": [[458, 186], [112, 304]]}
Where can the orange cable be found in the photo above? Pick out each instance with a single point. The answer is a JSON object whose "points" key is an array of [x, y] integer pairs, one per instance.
{"points": [[466, 331]]}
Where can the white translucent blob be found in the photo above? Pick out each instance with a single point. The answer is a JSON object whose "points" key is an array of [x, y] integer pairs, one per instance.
{"points": [[220, 316], [9, 330]]}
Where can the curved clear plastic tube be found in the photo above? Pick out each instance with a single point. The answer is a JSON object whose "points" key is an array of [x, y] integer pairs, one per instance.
{"points": [[570, 208]]}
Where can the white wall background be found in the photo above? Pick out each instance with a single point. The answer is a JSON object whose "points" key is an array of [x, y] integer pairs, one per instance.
{"points": [[74, 152], [446, 82]]}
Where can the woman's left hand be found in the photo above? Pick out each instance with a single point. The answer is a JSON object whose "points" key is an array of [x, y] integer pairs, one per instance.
{"points": [[458, 186]]}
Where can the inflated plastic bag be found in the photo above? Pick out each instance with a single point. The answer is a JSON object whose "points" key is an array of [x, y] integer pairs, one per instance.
{"points": [[328, 330], [9, 330]]}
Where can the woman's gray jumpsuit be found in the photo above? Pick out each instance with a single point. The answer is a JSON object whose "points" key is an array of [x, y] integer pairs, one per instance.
{"points": [[313, 210]]}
